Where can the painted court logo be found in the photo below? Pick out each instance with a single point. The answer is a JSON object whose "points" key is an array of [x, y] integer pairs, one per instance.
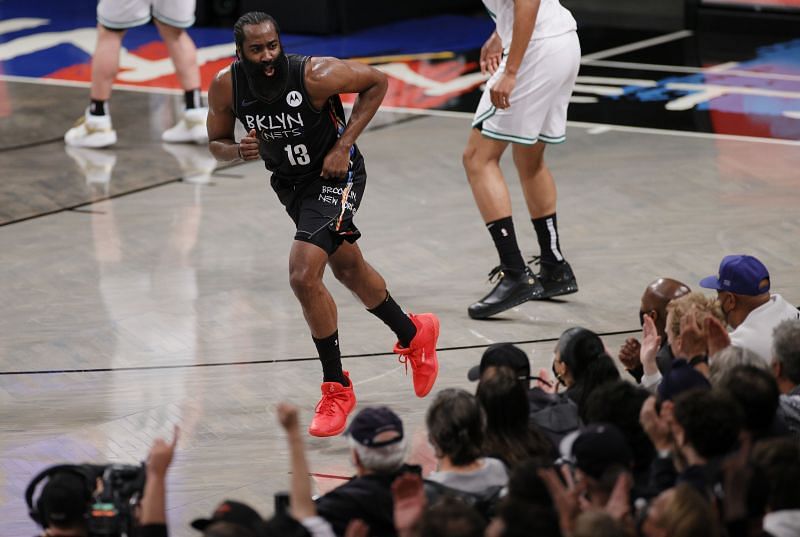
{"points": [[294, 99]]}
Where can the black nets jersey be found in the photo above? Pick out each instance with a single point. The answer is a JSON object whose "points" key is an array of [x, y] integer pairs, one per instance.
{"points": [[294, 136]]}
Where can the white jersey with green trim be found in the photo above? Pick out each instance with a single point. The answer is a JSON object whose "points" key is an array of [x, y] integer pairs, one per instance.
{"points": [[552, 20]]}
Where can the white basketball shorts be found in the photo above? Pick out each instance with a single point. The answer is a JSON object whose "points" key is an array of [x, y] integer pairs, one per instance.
{"points": [[539, 100], [123, 14]]}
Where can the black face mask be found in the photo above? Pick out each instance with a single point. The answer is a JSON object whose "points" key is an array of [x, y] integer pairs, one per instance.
{"points": [[263, 86]]}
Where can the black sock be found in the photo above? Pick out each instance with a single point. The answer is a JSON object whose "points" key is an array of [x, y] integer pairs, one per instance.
{"points": [[547, 232], [192, 98], [97, 108], [505, 240], [329, 355], [395, 318]]}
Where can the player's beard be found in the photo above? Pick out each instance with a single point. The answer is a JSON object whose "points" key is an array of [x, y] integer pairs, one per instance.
{"points": [[267, 87]]}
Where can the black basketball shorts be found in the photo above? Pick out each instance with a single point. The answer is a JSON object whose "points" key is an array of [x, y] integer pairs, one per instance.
{"points": [[323, 209]]}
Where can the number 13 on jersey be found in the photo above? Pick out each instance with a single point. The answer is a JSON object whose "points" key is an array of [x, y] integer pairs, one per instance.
{"points": [[298, 154]]}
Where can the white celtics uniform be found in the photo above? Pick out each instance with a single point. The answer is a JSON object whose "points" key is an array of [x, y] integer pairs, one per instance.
{"points": [[546, 77], [123, 14]]}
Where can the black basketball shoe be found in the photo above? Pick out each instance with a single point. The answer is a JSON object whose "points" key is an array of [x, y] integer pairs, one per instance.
{"points": [[556, 278], [512, 289]]}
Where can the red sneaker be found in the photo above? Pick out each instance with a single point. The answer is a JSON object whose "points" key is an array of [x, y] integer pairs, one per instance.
{"points": [[421, 353], [330, 416]]}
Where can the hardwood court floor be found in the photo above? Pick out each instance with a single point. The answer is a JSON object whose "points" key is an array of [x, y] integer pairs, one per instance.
{"points": [[143, 289], [171, 305]]}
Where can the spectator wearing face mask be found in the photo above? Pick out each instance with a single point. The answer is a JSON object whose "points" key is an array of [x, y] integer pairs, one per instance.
{"points": [[653, 304], [743, 290]]}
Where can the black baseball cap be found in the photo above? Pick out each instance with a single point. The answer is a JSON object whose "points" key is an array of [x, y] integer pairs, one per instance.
{"points": [[502, 354], [597, 447], [234, 513], [369, 426]]}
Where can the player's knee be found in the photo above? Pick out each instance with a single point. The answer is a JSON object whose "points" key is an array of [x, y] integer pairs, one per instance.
{"points": [[469, 158], [530, 169], [303, 279]]}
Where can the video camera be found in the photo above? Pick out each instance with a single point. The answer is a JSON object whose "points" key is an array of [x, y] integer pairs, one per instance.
{"points": [[108, 497]]}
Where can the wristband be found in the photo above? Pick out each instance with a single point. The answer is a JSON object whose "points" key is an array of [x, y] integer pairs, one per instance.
{"points": [[239, 150]]}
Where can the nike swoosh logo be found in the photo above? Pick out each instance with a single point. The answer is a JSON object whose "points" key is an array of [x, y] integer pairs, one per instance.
{"points": [[248, 103]]}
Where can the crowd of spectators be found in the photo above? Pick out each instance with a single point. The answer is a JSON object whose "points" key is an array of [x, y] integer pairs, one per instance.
{"points": [[690, 430]]}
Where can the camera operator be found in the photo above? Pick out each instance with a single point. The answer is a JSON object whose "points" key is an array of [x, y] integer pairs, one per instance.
{"points": [[78, 501], [63, 504]]}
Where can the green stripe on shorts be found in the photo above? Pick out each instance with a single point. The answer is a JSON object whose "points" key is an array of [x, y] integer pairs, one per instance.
{"points": [[483, 117], [508, 137], [552, 139]]}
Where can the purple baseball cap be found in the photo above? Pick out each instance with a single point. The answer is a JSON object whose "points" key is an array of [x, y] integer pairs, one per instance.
{"points": [[741, 275]]}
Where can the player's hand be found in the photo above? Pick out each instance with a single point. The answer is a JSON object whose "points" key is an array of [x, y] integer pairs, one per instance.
{"points": [[248, 146], [629, 354], [491, 54], [336, 163], [501, 91]]}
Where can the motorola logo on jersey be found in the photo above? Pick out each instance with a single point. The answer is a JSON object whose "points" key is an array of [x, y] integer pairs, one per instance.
{"points": [[294, 99]]}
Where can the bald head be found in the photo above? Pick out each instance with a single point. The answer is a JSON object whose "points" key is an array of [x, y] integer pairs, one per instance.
{"points": [[656, 297]]}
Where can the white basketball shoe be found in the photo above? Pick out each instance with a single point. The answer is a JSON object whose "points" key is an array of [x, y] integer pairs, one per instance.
{"points": [[190, 129], [91, 131]]}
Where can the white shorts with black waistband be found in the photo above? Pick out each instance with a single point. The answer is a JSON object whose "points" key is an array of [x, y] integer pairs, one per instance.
{"points": [[123, 14], [539, 100]]}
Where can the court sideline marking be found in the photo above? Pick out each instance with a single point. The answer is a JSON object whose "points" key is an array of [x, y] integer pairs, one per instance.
{"points": [[283, 360], [637, 45]]}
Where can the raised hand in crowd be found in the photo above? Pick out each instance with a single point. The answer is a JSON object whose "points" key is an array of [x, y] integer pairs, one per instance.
{"points": [[629, 354], [569, 500], [717, 336], [701, 334], [409, 503], [657, 424], [153, 503], [618, 506], [300, 500], [567, 496], [651, 342], [692, 338]]}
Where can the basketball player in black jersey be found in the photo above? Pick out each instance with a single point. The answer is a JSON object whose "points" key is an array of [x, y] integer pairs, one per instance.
{"points": [[290, 106]]}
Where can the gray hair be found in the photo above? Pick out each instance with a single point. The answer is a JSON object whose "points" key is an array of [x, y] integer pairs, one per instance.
{"points": [[383, 459], [786, 348], [722, 362]]}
